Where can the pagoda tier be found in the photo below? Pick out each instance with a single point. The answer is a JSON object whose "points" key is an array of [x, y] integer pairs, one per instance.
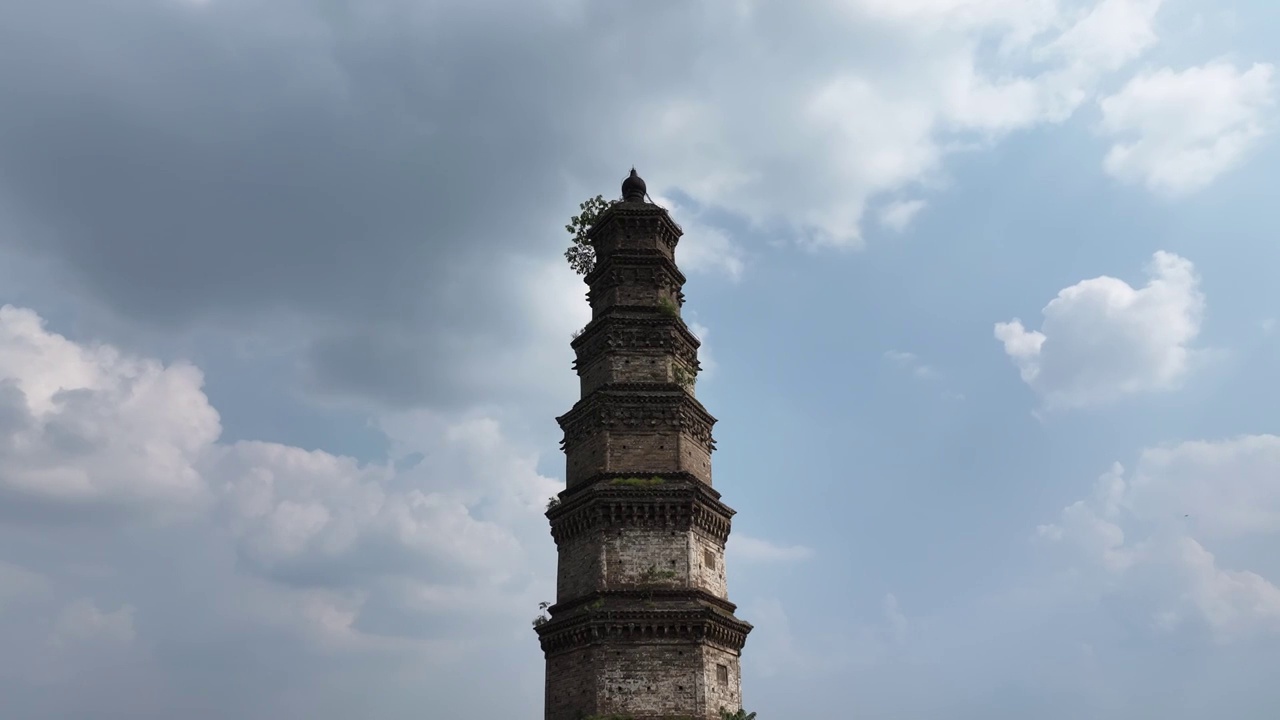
{"points": [[636, 347], [640, 427], [642, 626]]}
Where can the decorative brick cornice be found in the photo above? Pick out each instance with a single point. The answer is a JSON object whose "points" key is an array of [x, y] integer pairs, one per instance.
{"points": [[698, 624], [611, 271], [650, 270], [636, 219], [630, 598], [637, 407], [638, 335], [607, 314], [672, 504], [603, 478]]}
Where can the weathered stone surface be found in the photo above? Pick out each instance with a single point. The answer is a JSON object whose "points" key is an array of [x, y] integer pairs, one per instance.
{"points": [[631, 227], [682, 681], [666, 535], [645, 349], [635, 280], [642, 626], [657, 428]]}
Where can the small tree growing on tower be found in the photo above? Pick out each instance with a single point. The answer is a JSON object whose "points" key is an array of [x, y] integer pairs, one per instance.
{"points": [[581, 256]]}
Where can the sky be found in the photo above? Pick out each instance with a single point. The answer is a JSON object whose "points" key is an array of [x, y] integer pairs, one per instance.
{"points": [[985, 289]]}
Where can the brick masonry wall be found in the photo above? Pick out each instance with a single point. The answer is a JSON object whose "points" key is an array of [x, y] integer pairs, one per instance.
{"points": [[618, 368], [722, 678], [637, 367], [706, 561], [633, 294], [571, 688], [581, 571], [651, 680], [627, 557], [588, 458], [693, 457], [639, 556], [608, 243], [643, 681], [643, 452]]}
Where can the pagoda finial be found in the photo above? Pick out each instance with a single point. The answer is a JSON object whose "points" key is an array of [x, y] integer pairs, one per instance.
{"points": [[633, 189]]}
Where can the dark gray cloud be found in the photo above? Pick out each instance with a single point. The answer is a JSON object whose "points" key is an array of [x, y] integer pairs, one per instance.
{"points": [[356, 164], [186, 160], [355, 167]]}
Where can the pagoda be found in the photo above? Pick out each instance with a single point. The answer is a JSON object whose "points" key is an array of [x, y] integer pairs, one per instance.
{"points": [[642, 627]]}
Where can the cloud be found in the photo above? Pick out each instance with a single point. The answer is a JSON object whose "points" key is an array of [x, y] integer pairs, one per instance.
{"points": [[777, 647], [1145, 534], [393, 552], [348, 181], [919, 369], [1103, 339], [1109, 34], [310, 517], [384, 192], [83, 622], [705, 358], [703, 248], [85, 427], [856, 644], [708, 250], [1230, 488], [911, 362], [1176, 132], [18, 583], [453, 358], [895, 619], [317, 551], [755, 550], [898, 214], [778, 650]]}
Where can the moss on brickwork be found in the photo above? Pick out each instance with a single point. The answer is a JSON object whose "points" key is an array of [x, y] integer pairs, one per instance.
{"points": [[684, 378], [654, 574], [638, 481]]}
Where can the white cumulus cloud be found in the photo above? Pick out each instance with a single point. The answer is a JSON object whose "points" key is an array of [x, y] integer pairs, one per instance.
{"points": [[88, 425], [346, 545], [853, 132], [704, 249], [1146, 531], [1103, 338], [1177, 131], [897, 215]]}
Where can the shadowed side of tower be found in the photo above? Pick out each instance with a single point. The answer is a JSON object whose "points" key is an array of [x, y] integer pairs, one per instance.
{"points": [[642, 626]]}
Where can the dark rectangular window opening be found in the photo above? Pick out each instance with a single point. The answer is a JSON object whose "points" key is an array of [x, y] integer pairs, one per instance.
{"points": [[722, 674]]}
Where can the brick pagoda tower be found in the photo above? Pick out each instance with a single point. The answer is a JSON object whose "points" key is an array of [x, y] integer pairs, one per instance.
{"points": [[642, 626]]}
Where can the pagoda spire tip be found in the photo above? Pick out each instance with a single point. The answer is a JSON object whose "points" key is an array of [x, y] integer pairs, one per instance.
{"points": [[633, 188]]}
